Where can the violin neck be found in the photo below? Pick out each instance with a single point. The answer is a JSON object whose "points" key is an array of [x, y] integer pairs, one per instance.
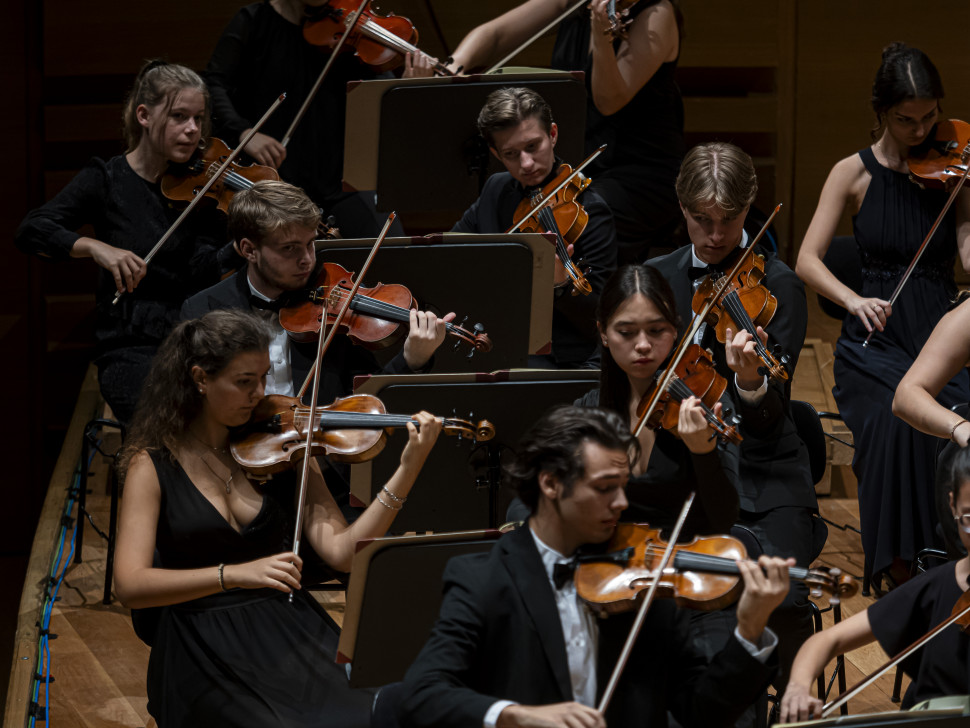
{"points": [[693, 561], [332, 420], [387, 311], [379, 34]]}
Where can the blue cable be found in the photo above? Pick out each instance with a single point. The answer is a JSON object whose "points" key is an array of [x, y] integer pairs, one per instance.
{"points": [[44, 648]]}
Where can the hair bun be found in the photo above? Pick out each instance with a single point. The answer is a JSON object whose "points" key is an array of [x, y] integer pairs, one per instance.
{"points": [[894, 49]]}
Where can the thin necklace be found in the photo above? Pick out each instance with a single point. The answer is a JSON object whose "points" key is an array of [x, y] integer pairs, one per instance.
{"points": [[223, 450], [227, 481], [205, 460]]}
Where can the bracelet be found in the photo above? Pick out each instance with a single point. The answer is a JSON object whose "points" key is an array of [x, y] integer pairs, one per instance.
{"points": [[954, 428], [386, 504], [222, 583], [396, 498]]}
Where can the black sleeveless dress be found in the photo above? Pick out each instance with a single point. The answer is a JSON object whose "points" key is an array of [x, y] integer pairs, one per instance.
{"points": [[247, 657], [637, 171], [894, 463]]}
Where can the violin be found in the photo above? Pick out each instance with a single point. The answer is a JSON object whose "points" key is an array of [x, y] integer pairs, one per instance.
{"points": [[694, 376], [562, 215], [351, 429], [183, 182], [942, 157], [704, 574], [743, 302], [380, 41], [375, 313]]}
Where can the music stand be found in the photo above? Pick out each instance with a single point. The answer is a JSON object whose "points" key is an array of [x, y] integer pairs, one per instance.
{"points": [[384, 569], [459, 485], [415, 141], [503, 282]]}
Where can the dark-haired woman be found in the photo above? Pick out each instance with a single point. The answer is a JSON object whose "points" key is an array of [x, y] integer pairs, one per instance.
{"points": [[891, 216], [213, 548], [166, 119], [638, 323], [633, 103], [896, 621]]}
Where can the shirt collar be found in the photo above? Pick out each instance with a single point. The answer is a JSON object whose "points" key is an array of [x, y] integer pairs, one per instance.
{"points": [[698, 263], [550, 557]]}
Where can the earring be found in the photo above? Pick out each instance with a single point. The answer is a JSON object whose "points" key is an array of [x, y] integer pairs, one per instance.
{"points": [[201, 391]]}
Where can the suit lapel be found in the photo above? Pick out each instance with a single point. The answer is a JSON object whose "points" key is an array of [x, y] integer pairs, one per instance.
{"points": [[522, 561], [683, 286]]}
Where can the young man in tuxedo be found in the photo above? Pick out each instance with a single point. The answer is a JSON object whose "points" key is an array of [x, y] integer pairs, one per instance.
{"points": [[274, 225], [514, 645], [517, 125], [716, 186]]}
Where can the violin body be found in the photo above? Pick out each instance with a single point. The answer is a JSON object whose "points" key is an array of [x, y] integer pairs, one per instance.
{"points": [[302, 321], [696, 372], [375, 316], [350, 430], [743, 303], [563, 215], [325, 25], [943, 157], [702, 574], [613, 588], [275, 439], [183, 182]]}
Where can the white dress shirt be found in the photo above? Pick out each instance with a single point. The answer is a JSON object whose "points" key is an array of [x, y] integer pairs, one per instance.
{"points": [[279, 380]]}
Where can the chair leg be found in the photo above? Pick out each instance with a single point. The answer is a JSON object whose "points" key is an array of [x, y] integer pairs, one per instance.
{"points": [[82, 495], [112, 535], [897, 685], [866, 579]]}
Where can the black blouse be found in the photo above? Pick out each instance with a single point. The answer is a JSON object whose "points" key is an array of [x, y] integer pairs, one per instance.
{"points": [[130, 213], [900, 617]]}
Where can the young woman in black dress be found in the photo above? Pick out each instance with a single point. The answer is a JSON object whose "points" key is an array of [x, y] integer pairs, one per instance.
{"points": [[891, 216], [213, 548], [166, 120]]}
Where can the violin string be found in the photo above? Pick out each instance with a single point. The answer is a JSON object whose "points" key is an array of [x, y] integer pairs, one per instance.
{"points": [[378, 307], [383, 36], [698, 558], [548, 221], [679, 389], [740, 316]]}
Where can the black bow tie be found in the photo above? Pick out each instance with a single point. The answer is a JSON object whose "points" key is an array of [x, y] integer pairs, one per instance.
{"points": [[562, 573], [694, 273], [261, 303]]}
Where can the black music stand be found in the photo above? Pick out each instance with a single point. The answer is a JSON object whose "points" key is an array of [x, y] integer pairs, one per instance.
{"points": [[459, 485], [384, 569], [503, 282], [415, 141]]}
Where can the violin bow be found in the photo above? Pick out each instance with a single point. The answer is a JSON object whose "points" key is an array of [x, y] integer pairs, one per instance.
{"points": [[695, 326], [535, 37], [322, 347], [922, 247], [644, 606], [205, 188], [552, 195], [866, 681], [350, 23]]}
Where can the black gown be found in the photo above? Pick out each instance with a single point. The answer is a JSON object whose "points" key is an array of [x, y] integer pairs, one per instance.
{"points": [[247, 657], [645, 145], [894, 463]]}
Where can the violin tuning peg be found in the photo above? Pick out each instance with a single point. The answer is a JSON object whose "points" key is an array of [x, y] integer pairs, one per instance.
{"points": [[763, 371], [815, 592]]}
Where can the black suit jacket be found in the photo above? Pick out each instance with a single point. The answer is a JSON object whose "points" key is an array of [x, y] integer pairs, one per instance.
{"points": [[343, 360], [773, 470], [499, 637], [574, 337]]}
